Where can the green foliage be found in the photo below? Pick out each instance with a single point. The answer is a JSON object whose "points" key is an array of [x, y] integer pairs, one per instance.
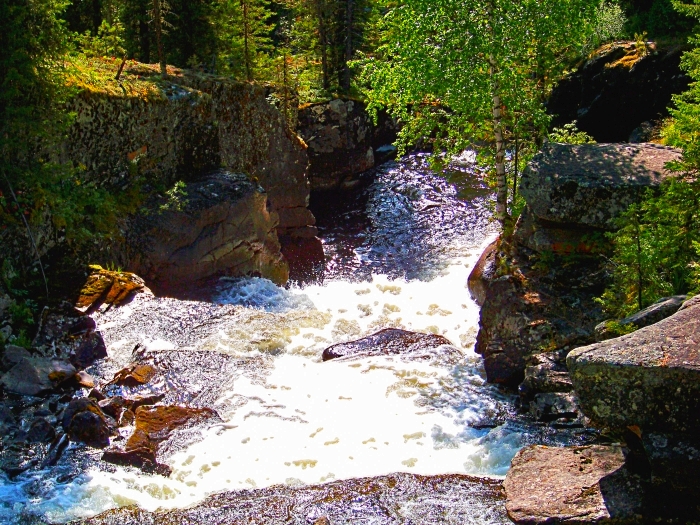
{"points": [[465, 72], [608, 25], [108, 42], [617, 329], [655, 251], [570, 134], [176, 198], [657, 17]]}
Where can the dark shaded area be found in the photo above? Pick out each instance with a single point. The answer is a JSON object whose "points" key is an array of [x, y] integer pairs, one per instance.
{"points": [[614, 93], [393, 499]]}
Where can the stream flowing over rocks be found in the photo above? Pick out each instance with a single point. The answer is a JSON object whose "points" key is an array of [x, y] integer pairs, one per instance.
{"points": [[226, 410]]}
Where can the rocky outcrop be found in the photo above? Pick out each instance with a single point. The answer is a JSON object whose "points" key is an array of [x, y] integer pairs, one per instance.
{"points": [[342, 141], [572, 485], [33, 376], [649, 379], [390, 341], [539, 291], [220, 226], [107, 287], [588, 186], [618, 90], [661, 309]]}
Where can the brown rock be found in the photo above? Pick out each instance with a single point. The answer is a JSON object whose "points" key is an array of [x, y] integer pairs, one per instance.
{"points": [[571, 485], [84, 379], [483, 272], [134, 375], [390, 341], [83, 420], [107, 287]]}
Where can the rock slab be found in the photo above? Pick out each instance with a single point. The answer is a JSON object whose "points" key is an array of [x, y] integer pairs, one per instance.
{"points": [[390, 341], [650, 378], [590, 185], [572, 485]]}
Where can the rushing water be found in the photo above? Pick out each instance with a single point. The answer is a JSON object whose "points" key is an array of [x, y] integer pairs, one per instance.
{"points": [[399, 252]]}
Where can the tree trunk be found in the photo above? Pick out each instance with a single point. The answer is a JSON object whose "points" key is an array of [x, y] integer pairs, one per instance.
{"points": [[159, 37], [348, 45], [323, 43], [246, 40], [497, 111]]}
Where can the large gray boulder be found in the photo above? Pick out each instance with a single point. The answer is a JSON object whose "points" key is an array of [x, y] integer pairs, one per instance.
{"points": [[590, 185], [33, 376], [221, 226], [649, 379], [572, 485]]}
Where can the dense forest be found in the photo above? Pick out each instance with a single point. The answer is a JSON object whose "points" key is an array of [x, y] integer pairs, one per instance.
{"points": [[404, 56]]}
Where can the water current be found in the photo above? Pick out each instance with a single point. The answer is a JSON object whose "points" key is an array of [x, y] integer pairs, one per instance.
{"points": [[399, 250]]}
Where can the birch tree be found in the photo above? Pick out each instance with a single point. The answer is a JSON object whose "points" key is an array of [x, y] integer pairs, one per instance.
{"points": [[472, 71]]}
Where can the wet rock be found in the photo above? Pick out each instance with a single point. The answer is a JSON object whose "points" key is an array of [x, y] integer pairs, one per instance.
{"points": [[590, 185], [306, 259], [222, 227], [383, 500], [135, 375], [36, 375], [483, 272], [390, 341], [674, 459], [84, 379], [113, 406], [650, 378], [66, 333], [618, 89], [535, 308], [658, 311], [107, 287], [339, 135], [12, 355], [576, 485], [550, 406], [40, 431], [8, 423], [17, 457], [154, 425], [546, 373], [84, 421]]}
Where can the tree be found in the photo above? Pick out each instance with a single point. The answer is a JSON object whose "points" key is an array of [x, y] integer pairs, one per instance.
{"points": [[469, 71], [243, 32]]}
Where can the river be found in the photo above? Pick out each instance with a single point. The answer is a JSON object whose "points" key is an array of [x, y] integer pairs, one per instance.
{"points": [[399, 250]]}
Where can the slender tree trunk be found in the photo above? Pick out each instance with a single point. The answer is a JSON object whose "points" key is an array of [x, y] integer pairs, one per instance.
{"points": [[516, 155], [246, 40], [323, 41], [497, 111], [159, 37], [349, 22]]}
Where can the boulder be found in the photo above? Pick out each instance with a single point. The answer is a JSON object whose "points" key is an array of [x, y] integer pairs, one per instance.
{"points": [[551, 406], [650, 378], [40, 431], [154, 425], [221, 226], [12, 355], [484, 270], [84, 421], [545, 373], [590, 185], [619, 89], [661, 309], [572, 485], [107, 287], [390, 341], [34, 376]]}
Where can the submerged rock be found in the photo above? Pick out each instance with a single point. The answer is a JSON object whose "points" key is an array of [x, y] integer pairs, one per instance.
{"points": [[384, 500], [390, 341], [153, 425], [572, 485], [650, 378]]}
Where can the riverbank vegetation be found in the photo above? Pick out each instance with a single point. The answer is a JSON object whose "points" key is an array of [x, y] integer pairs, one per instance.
{"points": [[455, 73]]}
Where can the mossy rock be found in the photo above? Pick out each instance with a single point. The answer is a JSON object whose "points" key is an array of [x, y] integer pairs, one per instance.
{"points": [[107, 287]]}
